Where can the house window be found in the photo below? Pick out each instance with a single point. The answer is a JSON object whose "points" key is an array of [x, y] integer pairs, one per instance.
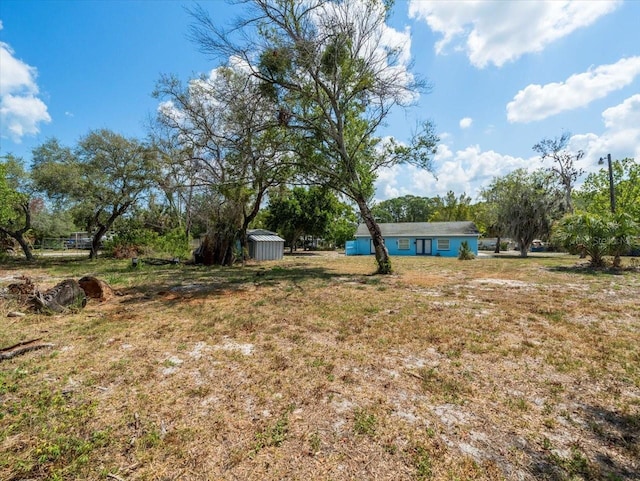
{"points": [[443, 244], [403, 244]]}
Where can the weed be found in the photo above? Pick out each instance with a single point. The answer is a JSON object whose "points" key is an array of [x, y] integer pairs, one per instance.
{"points": [[273, 435], [364, 422], [314, 443], [519, 403], [422, 463], [442, 385], [576, 465], [340, 338]]}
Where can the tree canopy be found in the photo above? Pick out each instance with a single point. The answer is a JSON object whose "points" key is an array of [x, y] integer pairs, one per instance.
{"points": [[102, 178], [526, 204], [593, 195], [408, 208], [16, 202], [301, 212], [218, 136], [333, 81], [563, 168]]}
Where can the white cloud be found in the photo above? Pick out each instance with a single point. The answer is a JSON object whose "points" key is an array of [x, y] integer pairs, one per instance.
{"points": [[442, 153], [537, 102], [621, 137], [498, 32], [468, 171], [466, 122], [21, 111], [386, 184]]}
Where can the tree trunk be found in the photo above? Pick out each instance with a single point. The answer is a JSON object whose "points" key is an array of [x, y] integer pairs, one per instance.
{"points": [[19, 238], [382, 254], [95, 242], [102, 230], [18, 234], [524, 249], [24, 245], [497, 250], [217, 248]]}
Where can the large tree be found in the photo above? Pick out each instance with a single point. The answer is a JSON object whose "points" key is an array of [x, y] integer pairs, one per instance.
{"points": [[16, 202], [486, 217], [334, 76], [224, 148], [102, 178], [563, 167], [301, 212], [527, 205]]}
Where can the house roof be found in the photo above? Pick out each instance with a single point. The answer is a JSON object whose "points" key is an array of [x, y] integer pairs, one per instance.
{"points": [[422, 229]]}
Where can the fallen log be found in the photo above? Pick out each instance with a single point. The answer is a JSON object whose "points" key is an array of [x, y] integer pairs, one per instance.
{"points": [[66, 294], [22, 348]]}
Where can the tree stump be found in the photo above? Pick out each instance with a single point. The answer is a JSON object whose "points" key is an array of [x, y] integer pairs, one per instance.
{"points": [[96, 288], [66, 294]]}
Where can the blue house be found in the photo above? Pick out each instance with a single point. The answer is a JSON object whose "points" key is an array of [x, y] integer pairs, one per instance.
{"points": [[417, 239]]}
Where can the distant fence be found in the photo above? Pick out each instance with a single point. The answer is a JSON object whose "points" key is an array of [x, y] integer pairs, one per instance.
{"points": [[61, 243]]}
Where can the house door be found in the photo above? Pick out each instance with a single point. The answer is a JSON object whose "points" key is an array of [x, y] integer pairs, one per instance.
{"points": [[423, 247]]}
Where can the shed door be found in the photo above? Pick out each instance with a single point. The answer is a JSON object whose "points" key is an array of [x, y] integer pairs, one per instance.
{"points": [[423, 247]]}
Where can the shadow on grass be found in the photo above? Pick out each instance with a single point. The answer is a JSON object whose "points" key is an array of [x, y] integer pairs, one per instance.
{"points": [[592, 271], [176, 283], [17, 264], [515, 255], [619, 433], [155, 276]]}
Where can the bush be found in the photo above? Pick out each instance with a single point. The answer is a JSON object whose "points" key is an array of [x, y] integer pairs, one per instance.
{"points": [[131, 243], [143, 242], [174, 243], [465, 253], [597, 236]]}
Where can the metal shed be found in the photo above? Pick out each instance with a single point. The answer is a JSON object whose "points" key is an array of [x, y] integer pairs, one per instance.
{"points": [[265, 245]]}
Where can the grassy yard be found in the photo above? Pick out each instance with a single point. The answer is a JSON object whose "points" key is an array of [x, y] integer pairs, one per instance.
{"points": [[312, 369]]}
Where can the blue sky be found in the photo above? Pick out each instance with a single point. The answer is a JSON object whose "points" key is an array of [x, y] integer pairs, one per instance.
{"points": [[504, 75]]}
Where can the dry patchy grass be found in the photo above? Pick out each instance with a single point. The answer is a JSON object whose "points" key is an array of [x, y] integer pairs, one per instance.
{"points": [[312, 369]]}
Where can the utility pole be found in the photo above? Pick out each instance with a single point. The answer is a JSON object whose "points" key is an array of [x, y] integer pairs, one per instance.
{"points": [[612, 193]]}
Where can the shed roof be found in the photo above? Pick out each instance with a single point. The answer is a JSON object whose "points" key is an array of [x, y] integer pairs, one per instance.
{"points": [[266, 238], [260, 232], [422, 229]]}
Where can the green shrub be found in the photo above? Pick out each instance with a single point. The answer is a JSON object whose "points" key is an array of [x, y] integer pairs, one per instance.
{"points": [[174, 243], [131, 243], [465, 253]]}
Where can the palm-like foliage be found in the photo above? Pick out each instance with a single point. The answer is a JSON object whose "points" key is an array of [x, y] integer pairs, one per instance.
{"points": [[597, 236]]}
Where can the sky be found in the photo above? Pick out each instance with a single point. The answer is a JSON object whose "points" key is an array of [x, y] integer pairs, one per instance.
{"points": [[503, 75]]}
